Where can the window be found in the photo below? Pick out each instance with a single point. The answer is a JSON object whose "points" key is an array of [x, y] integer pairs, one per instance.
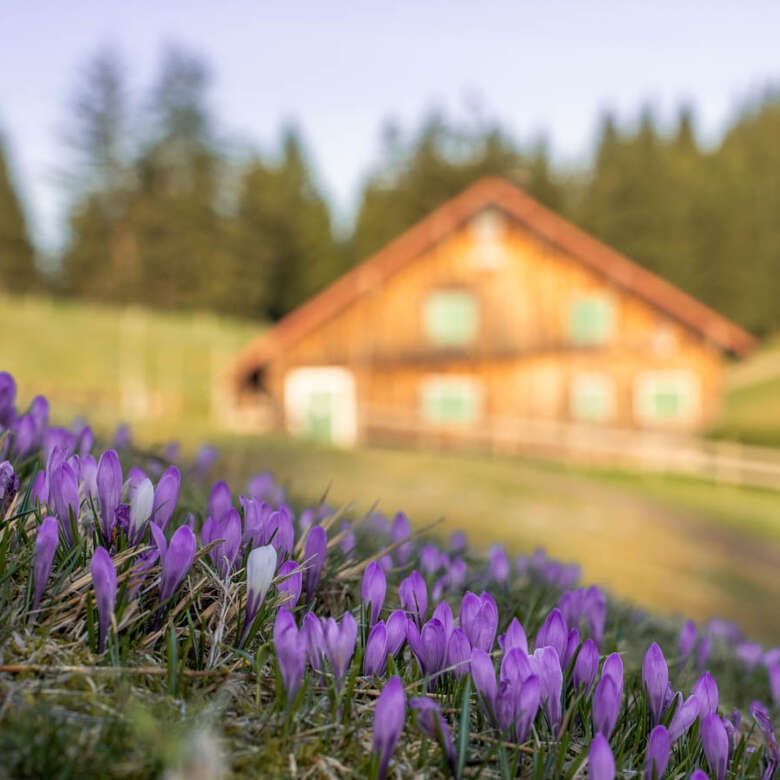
{"points": [[664, 397], [450, 318], [451, 400], [591, 320], [487, 232], [592, 397]]}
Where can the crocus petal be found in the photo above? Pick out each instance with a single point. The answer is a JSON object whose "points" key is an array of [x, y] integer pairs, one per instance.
{"points": [[684, 715], [601, 763], [706, 692], [141, 505], [655, 676], [373, 590], [396, 631], [413, 594], [553, 633], [658, 747], [715, 742], [514, 637], [46, 542], [484, 676], [586, 665], [605, 706], [104, 581], [314, 559], [177, 561], [260, 570], [459, 652], [527, 706], [375, 657], [165, 496], [389, 715], [290, 582]]}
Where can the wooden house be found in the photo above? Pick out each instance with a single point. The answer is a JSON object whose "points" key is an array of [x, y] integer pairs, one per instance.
{"points": [[492, 314]]}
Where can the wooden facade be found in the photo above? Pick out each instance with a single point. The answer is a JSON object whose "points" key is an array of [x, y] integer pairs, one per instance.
{"points": [[491, 311]]}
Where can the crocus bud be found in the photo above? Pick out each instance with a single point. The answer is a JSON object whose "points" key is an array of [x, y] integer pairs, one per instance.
{"points": [[340, 641], [314, 559], [109, 489], [613, 667], [459, 652], [658, 747], [484, 676], [433, 725], [547, 666], [572, 643], [373, 590], [479, 619], [703, 653], [601, 763], [375, 656], [515, 666], [46, 542], [290, 583], [389, 714], [104, 580], [443, 613], [429, 645], [527, 706], [260, 570], [605, 706], [24, 435], [458, 542], [176, 561], [315, 640], [429, 559], [9, 485], [220, 501], [763, 721], [64, 490], [655, 676], [595, 608], [498, 564], [706, 692], [697, 774], [514, 637], [7, 398], [687, 640], [715, 742], [414, 596], [586, 665], [396, 631], [402, 530], [685, 714], [280, 531], [553, 633], [140, 509], [165, 496], [224, 552], [290, 645]]}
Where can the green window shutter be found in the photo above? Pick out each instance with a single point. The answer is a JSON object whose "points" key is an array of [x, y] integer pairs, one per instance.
{"points": [[450, 401], [451, 318], [592, 397], [667, 397], [319, 420], [591, 320]]}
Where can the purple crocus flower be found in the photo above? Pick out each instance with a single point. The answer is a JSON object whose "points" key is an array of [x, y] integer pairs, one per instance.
{"points": [[314, 559], [340, 644], [763, 721], [601, 763], [389, 714], [458, 542], [315, 640], [58, 439], [515, 666], [402, 530], [613, 667], [459, 652], [205, 458], [433, 725], [479, 619], [109, 490], [256, 514], [104, 580], [703, 653], [572, 643], [263, 486], [687, 640], [484, 676], [290, 645], [373, 590], [227, 535], [586, 665], [457, 573], [414, 596], [697, 774], [527, 706], [46, 542], [64, 492], [553, 633], [685, 714], [396, 631], [606, 705], [750, 653], [220, 501], [23, 428], [514, 637], [290, 582], [547, 667], [706, 692], [375, 656], [430, 559], [348, 541], [595, 608], [176, 561], [7, 399], [9, 485], [443, 613], [166, 495], [655, 676], [715, 742], [429, 645], [260, 570], [280, 532], [658, 747], [498, 564]]}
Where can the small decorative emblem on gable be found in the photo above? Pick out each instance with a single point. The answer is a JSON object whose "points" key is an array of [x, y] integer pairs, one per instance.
{"points": [[487, 230]]}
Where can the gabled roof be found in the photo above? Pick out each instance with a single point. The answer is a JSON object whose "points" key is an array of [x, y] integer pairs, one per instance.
{"points": [[444, 220]]}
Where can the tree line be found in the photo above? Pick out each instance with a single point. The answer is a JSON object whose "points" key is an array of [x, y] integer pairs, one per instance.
{"points": [[166, 211]]}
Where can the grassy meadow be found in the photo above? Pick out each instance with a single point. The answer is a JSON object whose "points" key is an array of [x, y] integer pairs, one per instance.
{"points": [[670, 543]]}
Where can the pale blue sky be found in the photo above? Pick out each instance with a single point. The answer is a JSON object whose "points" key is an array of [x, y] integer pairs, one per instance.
{"points": [[340, 67]]}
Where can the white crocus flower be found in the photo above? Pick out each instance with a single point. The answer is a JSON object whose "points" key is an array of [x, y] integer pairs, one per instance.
{"points": [[141, 508]]}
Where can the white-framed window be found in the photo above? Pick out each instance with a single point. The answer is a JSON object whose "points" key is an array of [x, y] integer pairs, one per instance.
{"points": [[591, 319], [451, 317], [592, 397], [667, 397], [451, 400]]}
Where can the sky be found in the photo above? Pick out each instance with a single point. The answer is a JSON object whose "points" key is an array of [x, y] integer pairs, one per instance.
{"points": [[339, 68]]}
